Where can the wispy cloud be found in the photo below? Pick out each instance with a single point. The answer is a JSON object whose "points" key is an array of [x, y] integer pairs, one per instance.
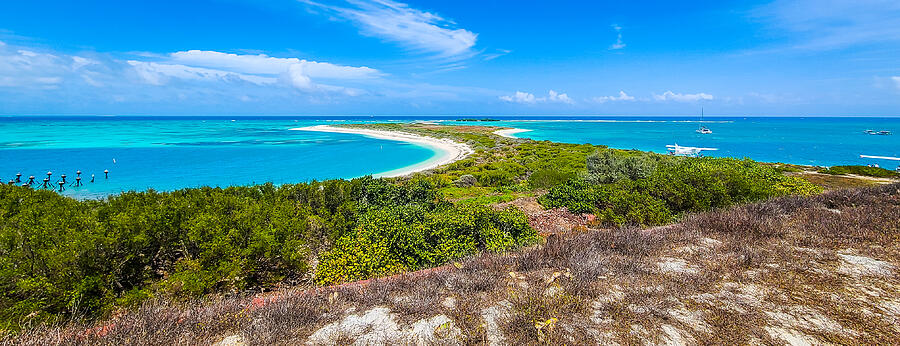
{"points": [[619, 44], [671, 96], [529, 98], [832, 24], [24, 68], [397, 22], [161, 74], [35, 79], [621, 97], [261, 68], [496, 54], [264, 64], [896, 81]]}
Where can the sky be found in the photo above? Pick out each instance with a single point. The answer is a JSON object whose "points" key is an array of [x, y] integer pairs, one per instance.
{"points": [[462, 57]]}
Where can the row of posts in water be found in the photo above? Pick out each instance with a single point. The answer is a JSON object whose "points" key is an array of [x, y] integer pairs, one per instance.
{"points": [[61, 182]]}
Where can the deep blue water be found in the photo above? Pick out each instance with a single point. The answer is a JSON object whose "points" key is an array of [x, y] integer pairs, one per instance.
{"points": [[167, 153]]}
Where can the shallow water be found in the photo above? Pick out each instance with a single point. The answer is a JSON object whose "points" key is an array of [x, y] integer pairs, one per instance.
{"points": [[168, 153]]}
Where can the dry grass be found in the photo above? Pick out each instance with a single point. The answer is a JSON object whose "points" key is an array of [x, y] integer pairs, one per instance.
{"points": [[821, 269], [831, 182]]}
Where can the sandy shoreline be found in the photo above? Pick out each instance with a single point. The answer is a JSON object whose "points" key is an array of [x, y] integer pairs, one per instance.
{"points": [[508, 133], [448, 150]]}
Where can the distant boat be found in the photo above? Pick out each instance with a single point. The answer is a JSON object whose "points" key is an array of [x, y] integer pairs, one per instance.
{"points": [[879, 133], [703, 129]]}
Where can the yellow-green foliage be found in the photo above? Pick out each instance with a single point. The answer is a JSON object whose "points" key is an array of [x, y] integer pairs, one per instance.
{"points": [[63, 257], [397, 239]]}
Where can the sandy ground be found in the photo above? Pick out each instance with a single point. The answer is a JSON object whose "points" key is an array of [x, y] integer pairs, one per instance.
{"points": [[449, 151], [508, 133]]}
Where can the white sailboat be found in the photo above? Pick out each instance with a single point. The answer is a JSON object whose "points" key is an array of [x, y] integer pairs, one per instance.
{"points": [[703, 129]]}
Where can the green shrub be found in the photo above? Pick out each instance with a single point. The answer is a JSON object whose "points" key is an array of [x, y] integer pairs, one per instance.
{"points": [[861, 170], [607, 166], [676, 186], [397, 239], [60, 257], [549, 177]]}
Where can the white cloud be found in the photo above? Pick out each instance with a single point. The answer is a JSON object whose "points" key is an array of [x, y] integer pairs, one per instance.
{"points": [[833, 24], [619, 44], [670, 96], [22, 68], [413, 28], [559, 97], [621, 97], [259, 69], [263, 64], [79, 62], [519, 97], [896, 81], [528, 98], [496, 54], [160, 74]]}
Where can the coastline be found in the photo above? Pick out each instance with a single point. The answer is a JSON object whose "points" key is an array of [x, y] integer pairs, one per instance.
{"points": [[448, 151], [508, 133]]}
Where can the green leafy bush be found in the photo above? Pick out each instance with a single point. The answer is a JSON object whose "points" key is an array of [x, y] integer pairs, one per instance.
{"points": [[676, 186], [607, 166], [61, 257], [397, 239]]}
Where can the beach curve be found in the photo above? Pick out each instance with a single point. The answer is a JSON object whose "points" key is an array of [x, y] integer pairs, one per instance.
{"points": [[448, 151], [508, 133]]}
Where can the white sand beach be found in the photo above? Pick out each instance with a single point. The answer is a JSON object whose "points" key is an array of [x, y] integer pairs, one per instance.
{"points": [[448, 151], [508, 133]]}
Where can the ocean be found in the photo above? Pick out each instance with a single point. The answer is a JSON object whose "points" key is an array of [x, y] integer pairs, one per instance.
{"points": [[816, 141], [168, 153]]}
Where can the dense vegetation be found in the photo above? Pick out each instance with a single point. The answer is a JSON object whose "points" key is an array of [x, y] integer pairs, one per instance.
{"points": [[861, 170], [60, 257], [502, 164], [649, 189]]}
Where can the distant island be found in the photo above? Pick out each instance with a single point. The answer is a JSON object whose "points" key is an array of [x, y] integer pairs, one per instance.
{"points": [[477, 119]]}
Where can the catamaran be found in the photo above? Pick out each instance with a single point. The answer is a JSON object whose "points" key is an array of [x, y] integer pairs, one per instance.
{"points": [[678, 150], [703, 129]]}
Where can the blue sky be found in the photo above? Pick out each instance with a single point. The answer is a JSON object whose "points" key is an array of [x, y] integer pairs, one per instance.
{"points": [[307, 57]]}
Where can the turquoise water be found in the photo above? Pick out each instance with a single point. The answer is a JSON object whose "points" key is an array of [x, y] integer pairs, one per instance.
{"points": [[807, 141], [172, 153], [168, 154]]}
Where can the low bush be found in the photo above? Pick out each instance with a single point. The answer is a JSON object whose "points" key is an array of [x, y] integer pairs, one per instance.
{"points": [[61, 257], [607, 166], [861, 170], [402, 238], [675, 186]]}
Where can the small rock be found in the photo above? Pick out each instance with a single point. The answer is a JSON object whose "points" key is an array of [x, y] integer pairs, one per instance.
{"points": [[864, 266], [234, 340], [449, 303]]}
